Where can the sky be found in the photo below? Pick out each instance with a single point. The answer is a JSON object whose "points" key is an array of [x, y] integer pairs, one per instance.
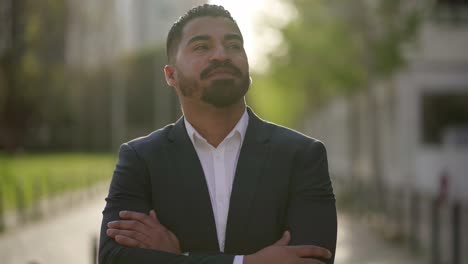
{"points": [[252, 17]]}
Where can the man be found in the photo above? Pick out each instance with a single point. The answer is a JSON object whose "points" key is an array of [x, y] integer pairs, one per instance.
{"points": [[220, 185]]}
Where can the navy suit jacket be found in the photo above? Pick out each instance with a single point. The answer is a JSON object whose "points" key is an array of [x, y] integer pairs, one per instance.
{"points": [[281, 183]]}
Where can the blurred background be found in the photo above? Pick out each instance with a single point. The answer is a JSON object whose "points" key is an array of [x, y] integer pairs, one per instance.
{"points": [[383, 83]]}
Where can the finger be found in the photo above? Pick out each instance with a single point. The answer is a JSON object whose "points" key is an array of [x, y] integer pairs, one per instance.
{"points": [[310, 261], [141, 217], [129, 225], [154, 216], [128, 242], [143, 238], [311, 251], [130, 236], [284, 240], [173, 237]]}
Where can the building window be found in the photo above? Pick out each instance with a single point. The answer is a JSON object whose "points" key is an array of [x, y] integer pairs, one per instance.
{"points": [[451, 11], [445, 119]]}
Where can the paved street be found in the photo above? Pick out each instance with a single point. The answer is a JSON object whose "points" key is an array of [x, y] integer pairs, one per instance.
{"points": [[66, 238], [359, 245]]}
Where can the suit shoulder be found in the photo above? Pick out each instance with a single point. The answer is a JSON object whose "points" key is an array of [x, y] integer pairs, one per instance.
{"points": [[290, 136], [150, 141], [286, 140]]}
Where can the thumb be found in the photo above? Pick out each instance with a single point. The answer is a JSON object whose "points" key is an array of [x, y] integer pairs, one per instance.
{"points": [[153, 215], [284, 240]]}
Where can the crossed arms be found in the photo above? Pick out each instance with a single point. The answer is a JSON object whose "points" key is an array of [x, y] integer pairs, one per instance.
{"points": [[129, 234]]}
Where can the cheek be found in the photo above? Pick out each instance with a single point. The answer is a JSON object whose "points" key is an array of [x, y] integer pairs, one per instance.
{"points": [[244, 67], [243, 62], [191, 64], [193, 69]]}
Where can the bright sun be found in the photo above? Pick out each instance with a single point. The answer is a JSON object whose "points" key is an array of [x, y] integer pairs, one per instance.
{"points": [[259, 38]]}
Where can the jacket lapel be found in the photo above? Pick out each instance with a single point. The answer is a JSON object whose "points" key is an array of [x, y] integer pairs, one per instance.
{"points": [[188, 169], [248, 172]]}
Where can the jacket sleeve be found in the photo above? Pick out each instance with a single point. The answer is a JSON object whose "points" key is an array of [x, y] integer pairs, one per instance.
{"points": [[130, 189], [311, 216]]}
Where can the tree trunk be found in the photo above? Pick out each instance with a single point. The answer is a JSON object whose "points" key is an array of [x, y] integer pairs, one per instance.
{"points": [[14, 115]]}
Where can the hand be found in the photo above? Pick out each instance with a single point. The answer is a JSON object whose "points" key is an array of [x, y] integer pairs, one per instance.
{"points": [[281, 253], [143, 231]]}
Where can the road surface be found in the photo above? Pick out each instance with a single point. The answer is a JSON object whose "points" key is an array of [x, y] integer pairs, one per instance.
{"points": [[67, 238]]}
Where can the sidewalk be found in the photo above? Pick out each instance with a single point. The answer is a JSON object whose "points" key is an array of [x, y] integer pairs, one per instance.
{"points": [[63, 238], [67, 238], [357, 244]]}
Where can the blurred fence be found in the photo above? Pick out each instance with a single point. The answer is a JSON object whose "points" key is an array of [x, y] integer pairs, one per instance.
{"points": [[414, 191]]}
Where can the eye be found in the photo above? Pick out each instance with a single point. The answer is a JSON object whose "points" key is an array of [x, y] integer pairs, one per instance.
{"points": [[200, 47], [234, 46]]}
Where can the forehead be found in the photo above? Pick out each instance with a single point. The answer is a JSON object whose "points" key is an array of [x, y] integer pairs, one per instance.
{"points": [[209, 26]]}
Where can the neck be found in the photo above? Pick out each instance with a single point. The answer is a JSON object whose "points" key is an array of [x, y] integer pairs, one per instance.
{"points": [[214, 124]]}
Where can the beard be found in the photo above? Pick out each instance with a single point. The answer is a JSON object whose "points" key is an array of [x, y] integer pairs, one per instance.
{"points": [[219, 93], [226, 92]]}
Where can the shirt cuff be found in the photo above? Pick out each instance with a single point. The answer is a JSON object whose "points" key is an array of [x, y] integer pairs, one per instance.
{"points": [[238, 260]]}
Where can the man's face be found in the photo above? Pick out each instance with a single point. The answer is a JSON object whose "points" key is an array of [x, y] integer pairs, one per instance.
{"points": [[210, 64]]}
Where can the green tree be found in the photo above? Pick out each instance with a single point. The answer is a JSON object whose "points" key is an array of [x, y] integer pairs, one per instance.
{"points": [[336, 48], [333, 47], [31, 67]]}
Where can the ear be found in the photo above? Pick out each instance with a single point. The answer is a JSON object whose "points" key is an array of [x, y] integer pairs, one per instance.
{"points": [[169, 73]]}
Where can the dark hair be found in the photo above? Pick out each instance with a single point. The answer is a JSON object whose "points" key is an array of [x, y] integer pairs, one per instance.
{"points": [[175, 33]]}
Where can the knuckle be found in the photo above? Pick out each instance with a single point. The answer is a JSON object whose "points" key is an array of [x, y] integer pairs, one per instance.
{"points": [[132, 224], [159, 231], [120, 239], [141, 237], [144, 239], [118, 224], [140, 216], [137, 216]]}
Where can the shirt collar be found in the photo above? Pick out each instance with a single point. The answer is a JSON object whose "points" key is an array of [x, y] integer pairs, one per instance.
{"points": [[240, 128]]}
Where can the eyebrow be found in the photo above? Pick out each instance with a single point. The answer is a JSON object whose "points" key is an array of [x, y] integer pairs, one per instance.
{"points": [[198, 38], [233, 36], [229, 36]]}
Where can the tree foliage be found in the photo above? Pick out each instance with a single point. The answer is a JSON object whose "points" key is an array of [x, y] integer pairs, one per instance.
{"points": [[31, 67], [332, 48]]}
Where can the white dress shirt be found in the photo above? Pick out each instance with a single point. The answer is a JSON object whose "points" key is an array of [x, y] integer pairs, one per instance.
{"points": [[219, 165]]}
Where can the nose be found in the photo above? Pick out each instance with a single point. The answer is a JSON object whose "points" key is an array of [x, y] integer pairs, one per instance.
{"points": [[219, 54]]}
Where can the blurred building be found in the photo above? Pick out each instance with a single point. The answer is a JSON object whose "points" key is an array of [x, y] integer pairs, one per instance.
{"points": [[84, 75], [415, 156], [5, 36], [101, 31], [103, 36]]}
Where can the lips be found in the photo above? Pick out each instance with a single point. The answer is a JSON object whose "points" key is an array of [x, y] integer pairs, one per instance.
{"points": [[220, 69]]}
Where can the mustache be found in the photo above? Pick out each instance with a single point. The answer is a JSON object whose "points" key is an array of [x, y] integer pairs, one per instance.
{"points": [[220, 65]]}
